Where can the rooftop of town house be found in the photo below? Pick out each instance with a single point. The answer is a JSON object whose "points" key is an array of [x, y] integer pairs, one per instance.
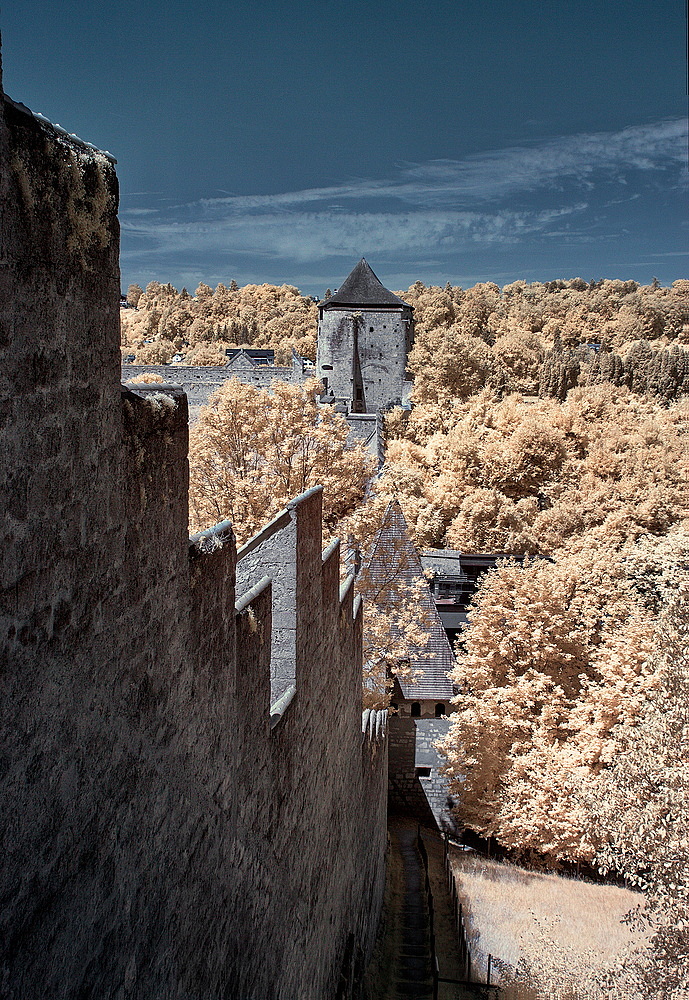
{"points": [[394, 555]]}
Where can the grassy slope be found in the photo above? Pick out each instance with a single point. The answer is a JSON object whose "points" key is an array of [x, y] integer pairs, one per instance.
{"points": [[564, 928]]}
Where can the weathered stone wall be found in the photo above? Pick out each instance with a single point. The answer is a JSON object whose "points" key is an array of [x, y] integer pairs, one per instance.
{"points": [[368, 427], [417, 785], [159, 840], [199, 381], [362, 352], [384, 337], [337, 361], [274, 550]]}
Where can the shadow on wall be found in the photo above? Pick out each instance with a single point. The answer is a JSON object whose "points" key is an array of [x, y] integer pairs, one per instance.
{"points": [[162, 839]]}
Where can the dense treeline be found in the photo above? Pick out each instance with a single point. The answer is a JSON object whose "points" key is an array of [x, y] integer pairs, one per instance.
{"points": [[165, 322], [531, 338], [549, 337], [526, 475]]}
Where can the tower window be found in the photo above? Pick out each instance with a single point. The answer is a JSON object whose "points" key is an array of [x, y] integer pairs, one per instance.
{"points": [[370, 329], [327, 368], [415, 709], [439, 710]]}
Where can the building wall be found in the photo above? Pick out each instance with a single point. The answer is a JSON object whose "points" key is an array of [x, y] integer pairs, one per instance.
{"points": [[363, 354], [336, 358], [199, 381], [159, 839], [417, 784]]}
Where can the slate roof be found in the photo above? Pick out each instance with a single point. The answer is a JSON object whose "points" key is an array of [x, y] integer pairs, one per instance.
{"points": [[436, 659], [362, 288], [255, 356]]}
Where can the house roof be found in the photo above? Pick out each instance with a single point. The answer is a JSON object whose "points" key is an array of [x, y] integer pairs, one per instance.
{"points": [[393, 556], [453, 563], [362, 288]]}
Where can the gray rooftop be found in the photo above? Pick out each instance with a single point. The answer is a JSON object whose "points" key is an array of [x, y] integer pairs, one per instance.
{"points": [[394, 555], [362, 288], [452, 562]]}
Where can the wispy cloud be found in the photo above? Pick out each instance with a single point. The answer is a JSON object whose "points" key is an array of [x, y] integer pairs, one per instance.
{"points": [[434, 208], [494, 175], [304, 235]]}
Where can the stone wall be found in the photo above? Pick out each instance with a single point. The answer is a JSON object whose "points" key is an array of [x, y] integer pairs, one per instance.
{"points": [[199, 381], [417, 785], [362, 352], [159, 838], [368, 427]]}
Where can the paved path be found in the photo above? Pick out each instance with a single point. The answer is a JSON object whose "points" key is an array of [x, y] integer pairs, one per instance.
{"points": [[403, 965], [412, 974]]}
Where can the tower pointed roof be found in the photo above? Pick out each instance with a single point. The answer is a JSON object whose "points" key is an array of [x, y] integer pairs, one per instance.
{"points": [[362, 288]]}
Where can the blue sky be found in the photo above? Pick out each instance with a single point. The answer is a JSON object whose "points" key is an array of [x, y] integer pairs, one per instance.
{"points": [[466, 141]]}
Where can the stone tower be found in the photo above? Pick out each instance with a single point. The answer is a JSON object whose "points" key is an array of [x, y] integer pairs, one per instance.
{"points": [[365, 333]]}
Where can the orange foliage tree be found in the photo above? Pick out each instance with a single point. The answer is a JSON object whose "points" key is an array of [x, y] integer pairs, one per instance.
{"points": [[528, 476], [252, 450], [640, 804], [554, 661], [270, 316]]}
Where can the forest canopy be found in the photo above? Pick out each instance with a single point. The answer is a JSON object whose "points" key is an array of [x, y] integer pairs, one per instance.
{"points": [[549, 420], [542, 336]]}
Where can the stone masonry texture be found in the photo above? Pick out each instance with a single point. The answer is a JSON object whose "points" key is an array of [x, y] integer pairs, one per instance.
{"points": [[159, 839]]}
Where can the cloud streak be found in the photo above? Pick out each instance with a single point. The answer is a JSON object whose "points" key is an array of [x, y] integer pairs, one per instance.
{"points": [[495, 175], [436, 208], [304, 235]]}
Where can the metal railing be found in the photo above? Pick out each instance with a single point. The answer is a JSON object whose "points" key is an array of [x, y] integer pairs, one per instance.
{"points": [[468, 969]]}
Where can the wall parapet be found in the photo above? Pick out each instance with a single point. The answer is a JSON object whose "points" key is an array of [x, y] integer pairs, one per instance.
{"points": [[247, 599], [281, 705], [57, 130], [212, 538]]}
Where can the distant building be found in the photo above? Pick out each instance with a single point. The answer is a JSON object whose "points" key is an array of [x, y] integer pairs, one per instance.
{"points": [[421, 703], [455, 580], [365, 333], [251, 355]]}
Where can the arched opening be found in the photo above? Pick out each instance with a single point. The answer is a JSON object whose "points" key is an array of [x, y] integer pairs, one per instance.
{"points": [[439, 710], [415, 709]]}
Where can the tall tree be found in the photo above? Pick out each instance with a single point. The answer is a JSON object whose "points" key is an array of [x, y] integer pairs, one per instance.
{"points": [[252, 450]]}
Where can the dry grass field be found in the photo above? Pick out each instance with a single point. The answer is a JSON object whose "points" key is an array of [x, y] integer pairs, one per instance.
{"points": [[554, 932]]}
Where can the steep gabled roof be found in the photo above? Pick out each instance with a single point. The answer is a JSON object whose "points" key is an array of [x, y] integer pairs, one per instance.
{"points": [[394, 555], [362, 288]]}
